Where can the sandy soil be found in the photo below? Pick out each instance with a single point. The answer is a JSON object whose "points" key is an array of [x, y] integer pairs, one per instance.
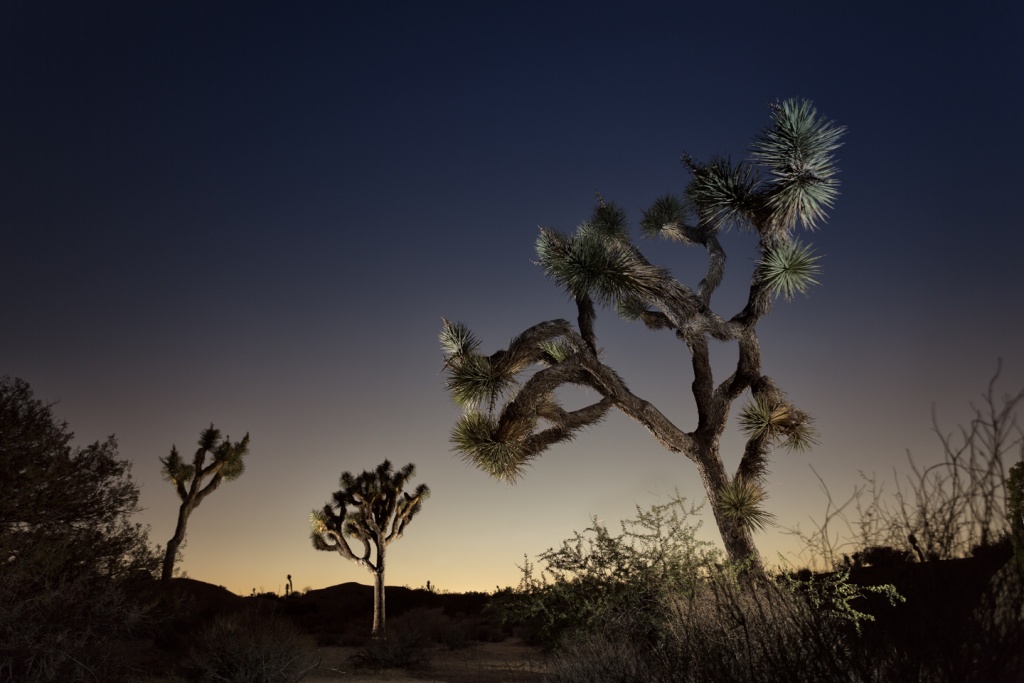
{"points": [[510, 661]]}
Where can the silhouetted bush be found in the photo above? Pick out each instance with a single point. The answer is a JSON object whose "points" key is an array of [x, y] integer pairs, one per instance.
{"points": [[68, 548], [250, 647], [403, 647]]}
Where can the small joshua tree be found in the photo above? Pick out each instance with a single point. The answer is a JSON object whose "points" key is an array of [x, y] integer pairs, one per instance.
{"points": [[227, 464], [381, 513], [508, 422]]}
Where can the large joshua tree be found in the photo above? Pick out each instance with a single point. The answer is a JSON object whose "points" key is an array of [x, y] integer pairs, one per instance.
{"points": [[226, 464], [510, 418], [380, 512]]}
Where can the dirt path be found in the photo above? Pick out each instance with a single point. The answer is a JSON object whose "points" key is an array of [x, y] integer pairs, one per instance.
{"points": [[510, 661]]}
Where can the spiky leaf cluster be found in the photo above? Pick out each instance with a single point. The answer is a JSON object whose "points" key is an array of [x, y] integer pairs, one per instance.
{"points": [[789, 267], [371, 508], [741, 502], [589, 263], [798, 151], [175, 470], [721, 194], [457, 339], [778, 422], [228, 463], [664, 215], [479, 440], [555, 351], [475, 380], [609, 220]]}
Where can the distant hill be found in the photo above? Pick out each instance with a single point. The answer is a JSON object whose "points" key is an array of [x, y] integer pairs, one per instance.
{"points": [[335, 608]]}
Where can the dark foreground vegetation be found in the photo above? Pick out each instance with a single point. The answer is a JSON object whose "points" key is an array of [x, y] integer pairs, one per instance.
{"points": [[927, 585]]}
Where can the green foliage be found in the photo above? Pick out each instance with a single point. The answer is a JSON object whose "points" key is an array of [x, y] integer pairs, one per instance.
{"points": [[380, 509], [833, 595], [590, 263], [797, 149], [477, 437], [556, 350], [789, 268], [596, 577], [741, 501], [778, 422], [656, 604], [457, 339], [721, 194], [664, 215]]}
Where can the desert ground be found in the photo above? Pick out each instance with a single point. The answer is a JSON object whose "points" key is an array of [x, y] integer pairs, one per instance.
{"points": [[510, 661]]}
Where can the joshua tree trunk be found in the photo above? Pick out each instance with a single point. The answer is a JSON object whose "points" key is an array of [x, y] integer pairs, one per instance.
{"points": [[172, 545], [378, 595], [188, 481], [737, 539]]}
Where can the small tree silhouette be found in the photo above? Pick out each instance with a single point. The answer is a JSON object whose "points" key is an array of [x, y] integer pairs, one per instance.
{"points": [[382, 511], [188, 480]]}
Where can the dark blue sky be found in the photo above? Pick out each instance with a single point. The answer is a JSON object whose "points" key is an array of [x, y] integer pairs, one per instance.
{"points": [[256, 214]]}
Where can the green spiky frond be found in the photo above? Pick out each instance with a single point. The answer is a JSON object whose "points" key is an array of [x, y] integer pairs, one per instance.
{"points": [[457, 340], [174, 469], [474, 380], [780, 422], [789, 267], [591, 263], [209, 438], [556, 350], [232, 457], [633, 309], [721, 194], [664, 214], [609, 220], [318, 522], [797, 149], [803, 437], [741, 501], [762, 418], [478, 439]]}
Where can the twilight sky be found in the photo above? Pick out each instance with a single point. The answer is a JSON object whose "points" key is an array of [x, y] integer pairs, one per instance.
{"points": [[257, 213]]}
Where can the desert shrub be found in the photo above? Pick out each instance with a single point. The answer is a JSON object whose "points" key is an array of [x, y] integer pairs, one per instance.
{"points": [[733, 627], [656, 604], [402, 647], [595, 578], [63, 628], [68, 547], [250, 646]]}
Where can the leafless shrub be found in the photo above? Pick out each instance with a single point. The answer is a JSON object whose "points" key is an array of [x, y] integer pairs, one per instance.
{"points": [[939, 511]]}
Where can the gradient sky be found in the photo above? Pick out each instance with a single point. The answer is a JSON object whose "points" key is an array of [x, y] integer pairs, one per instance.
{"points": [[257, 213]]}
